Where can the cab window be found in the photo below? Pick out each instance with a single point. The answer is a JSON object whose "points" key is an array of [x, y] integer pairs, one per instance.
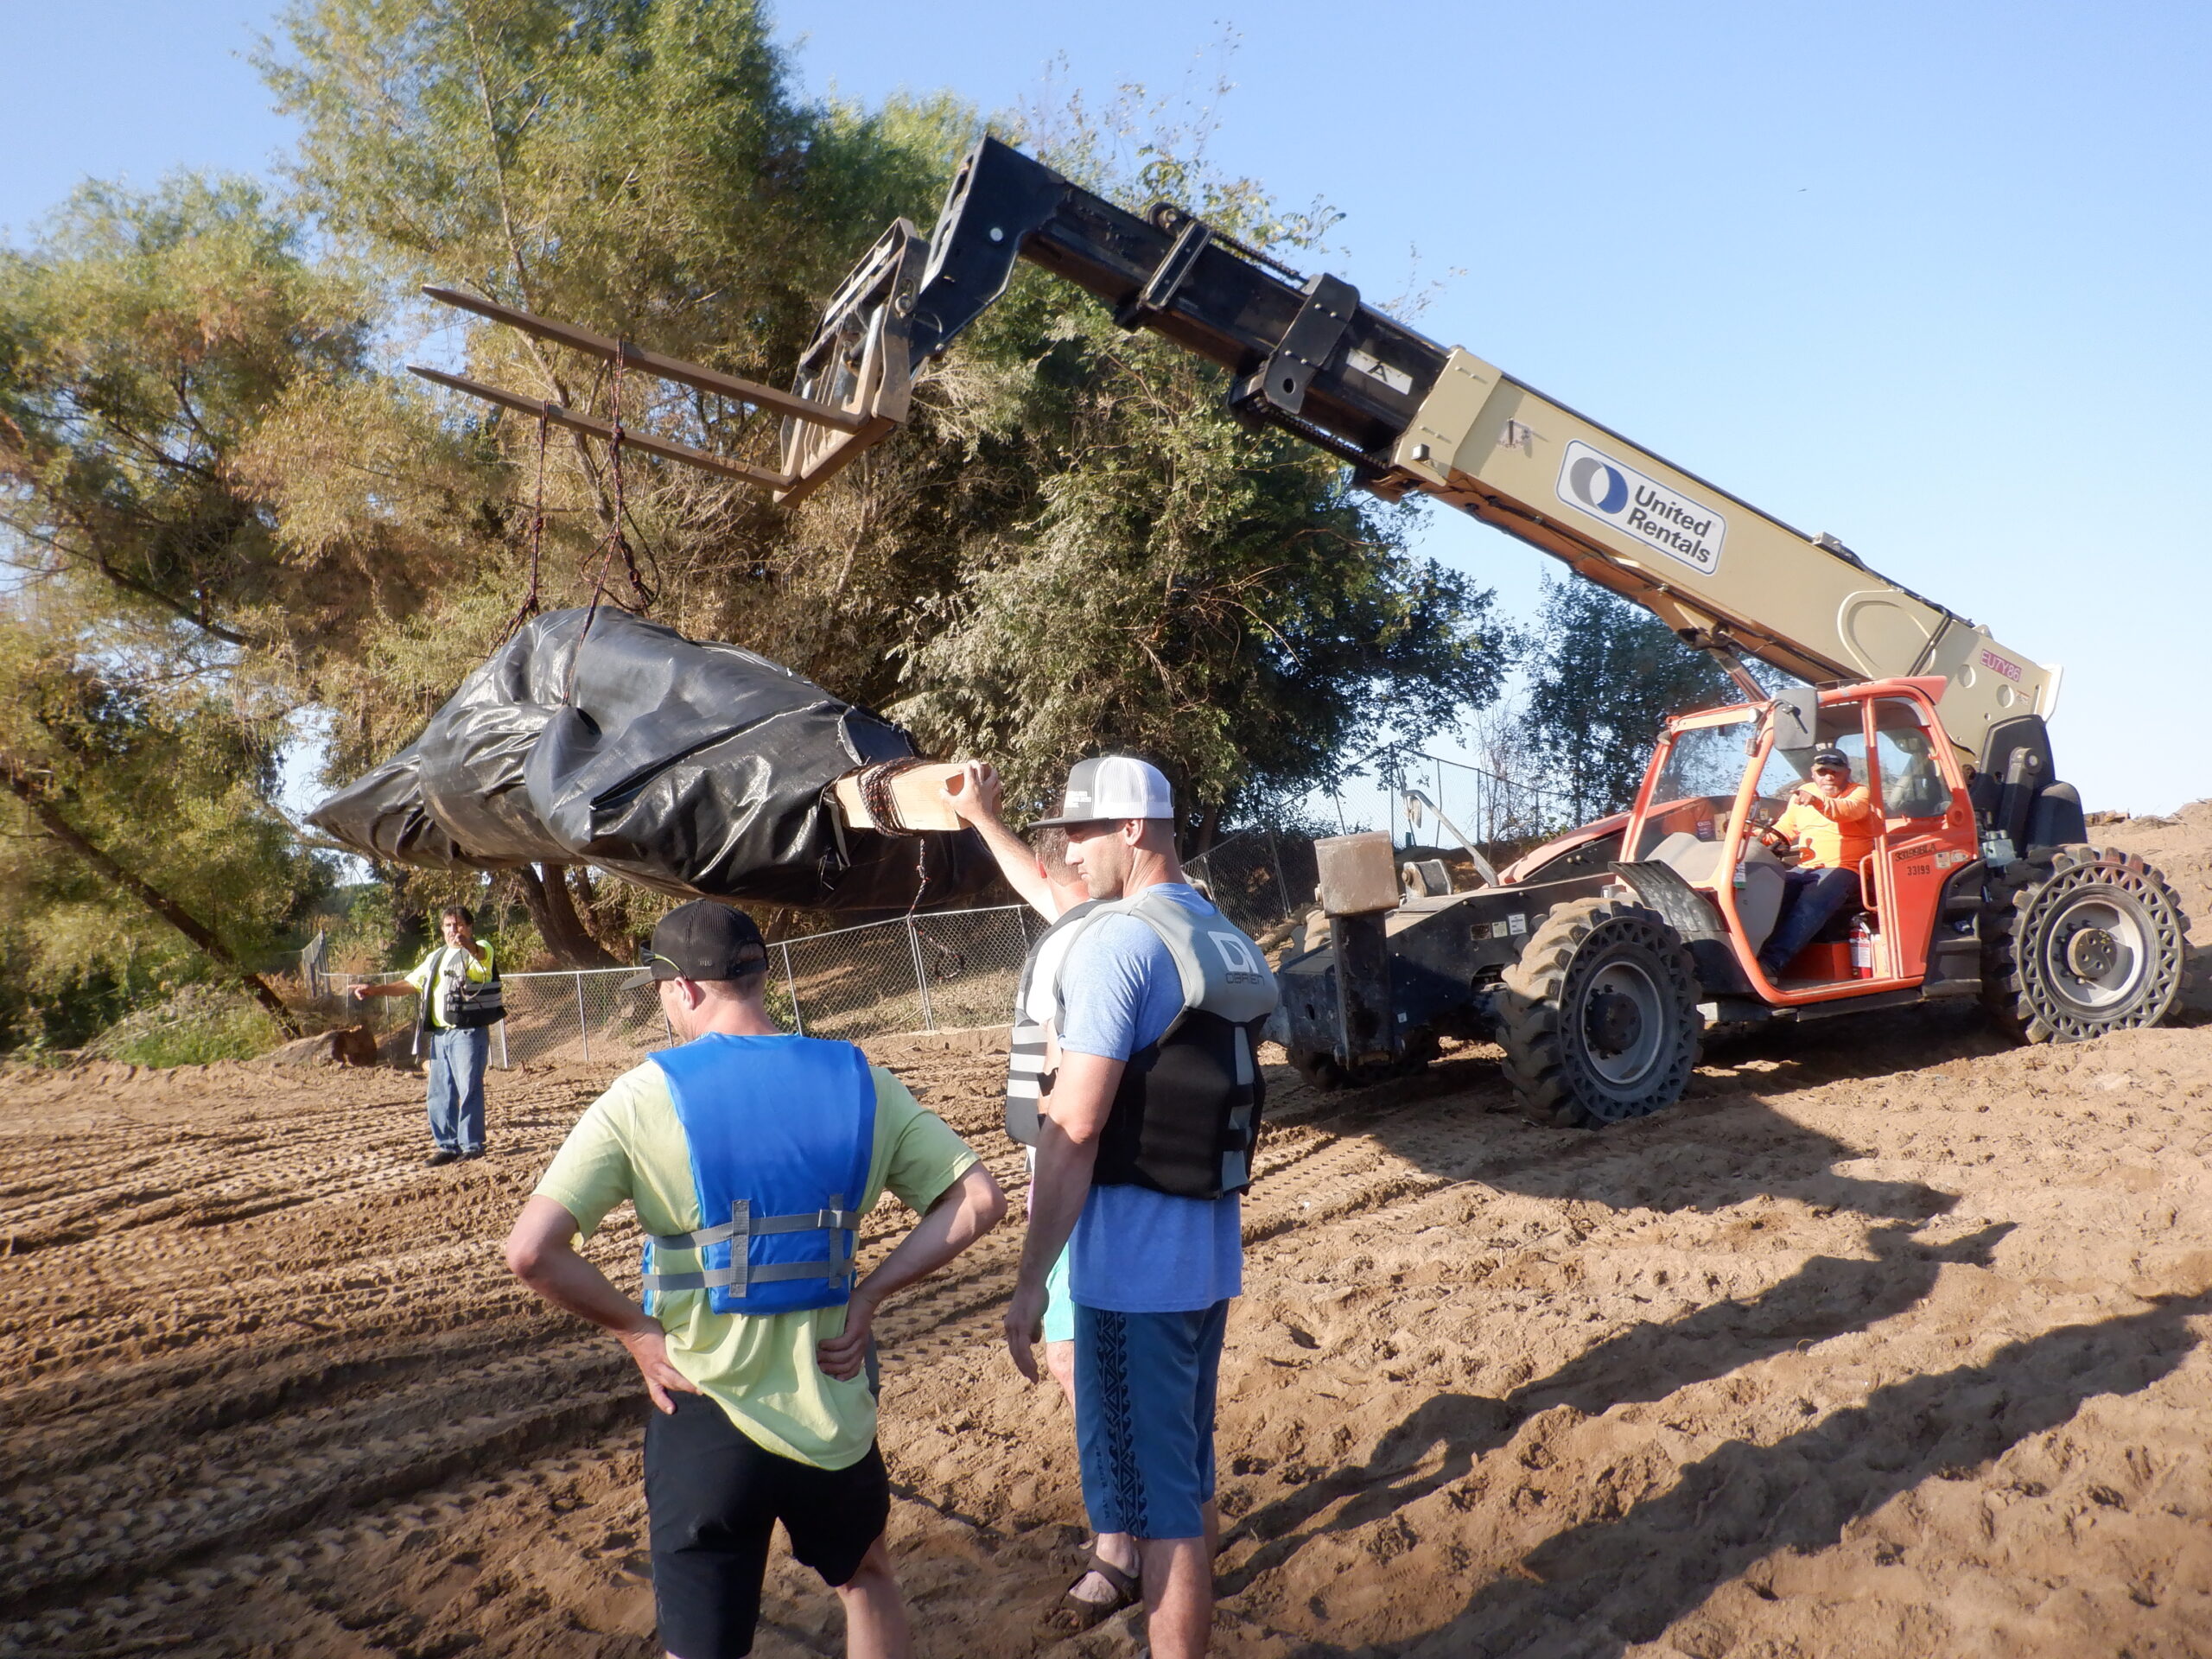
{"points": [[1912, 783], [1785, 769]]}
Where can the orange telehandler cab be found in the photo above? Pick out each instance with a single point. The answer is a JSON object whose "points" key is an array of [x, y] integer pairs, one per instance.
{"points": [[1599, 960]]}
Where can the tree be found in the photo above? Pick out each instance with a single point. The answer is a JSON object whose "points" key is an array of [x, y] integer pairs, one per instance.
{"points": [[138, 844], [147, 341], [1603, 675], [1072, 546], [154, 618]]}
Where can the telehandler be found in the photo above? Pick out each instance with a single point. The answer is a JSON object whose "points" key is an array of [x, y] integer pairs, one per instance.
{"points": [[1597, 961]]}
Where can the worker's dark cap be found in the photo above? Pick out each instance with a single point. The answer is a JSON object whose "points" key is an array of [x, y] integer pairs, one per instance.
{"points": [[703, 940], [1832, 758]]}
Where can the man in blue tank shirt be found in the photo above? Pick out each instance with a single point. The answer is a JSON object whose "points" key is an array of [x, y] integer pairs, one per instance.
{"points": [[1152, 1274]]}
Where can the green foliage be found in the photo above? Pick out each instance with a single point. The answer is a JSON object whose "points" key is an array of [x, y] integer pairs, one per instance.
{"points": [[194, 1028], [224, 505], [1218, 597], [169, 771], [144, 342], [1603, 675]]}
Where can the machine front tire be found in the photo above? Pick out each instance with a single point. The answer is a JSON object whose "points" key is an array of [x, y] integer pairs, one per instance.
{"points": [[2091, 944], [1599, 1018]]}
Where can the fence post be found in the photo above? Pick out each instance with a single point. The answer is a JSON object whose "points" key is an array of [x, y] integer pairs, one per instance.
{"points": [[583, 1024], [921, 975], [502, 1046], [1282, 882], [791, 985]]}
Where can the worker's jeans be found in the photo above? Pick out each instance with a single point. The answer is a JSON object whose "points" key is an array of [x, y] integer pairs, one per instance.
{"points": [[1810, 898], [457, 1089]]}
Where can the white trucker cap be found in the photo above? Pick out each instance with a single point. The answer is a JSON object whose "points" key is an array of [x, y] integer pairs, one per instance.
{"points": [[1112, 787]]}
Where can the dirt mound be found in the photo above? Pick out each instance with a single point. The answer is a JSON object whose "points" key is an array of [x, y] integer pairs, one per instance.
{"points": [[1889, 1340]]}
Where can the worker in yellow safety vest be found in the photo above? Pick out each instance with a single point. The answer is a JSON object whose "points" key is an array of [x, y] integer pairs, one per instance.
{"points": [[459, 984]]}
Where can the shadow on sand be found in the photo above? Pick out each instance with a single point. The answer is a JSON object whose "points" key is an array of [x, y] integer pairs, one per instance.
{"points": [[1827, 1297], [1602, 1587], [1721, 1145]]}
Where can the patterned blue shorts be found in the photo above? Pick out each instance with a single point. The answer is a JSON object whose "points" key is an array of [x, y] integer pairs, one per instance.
{"points": [[1144, 1401]]}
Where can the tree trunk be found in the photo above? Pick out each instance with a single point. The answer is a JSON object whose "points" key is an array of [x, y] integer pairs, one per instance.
{"points": [[49, 818], [1208, 831], [553, 908]]}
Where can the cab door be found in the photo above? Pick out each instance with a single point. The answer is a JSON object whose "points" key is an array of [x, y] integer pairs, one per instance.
{"points": [[1926, 830]]}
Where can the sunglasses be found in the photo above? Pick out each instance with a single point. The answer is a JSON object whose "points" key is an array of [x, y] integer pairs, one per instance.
{"points": [[650, 958]]}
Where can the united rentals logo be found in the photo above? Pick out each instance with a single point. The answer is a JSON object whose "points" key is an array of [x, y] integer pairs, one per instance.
{"points": [[1685, 530]]}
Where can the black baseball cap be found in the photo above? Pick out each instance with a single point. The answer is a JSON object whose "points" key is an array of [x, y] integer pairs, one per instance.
{"points": [[703, 940], [1831, 758]]}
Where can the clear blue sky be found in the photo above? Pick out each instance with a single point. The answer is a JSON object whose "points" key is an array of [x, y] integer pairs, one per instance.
{"points": [[1932, 277]]}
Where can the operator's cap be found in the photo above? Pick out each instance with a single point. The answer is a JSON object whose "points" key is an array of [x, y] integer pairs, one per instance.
{"points": [[1831, 758], [703, 940], [1111, 787]]}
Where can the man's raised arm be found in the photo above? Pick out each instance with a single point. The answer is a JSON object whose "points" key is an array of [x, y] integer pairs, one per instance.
{"points": [[975, 797]]}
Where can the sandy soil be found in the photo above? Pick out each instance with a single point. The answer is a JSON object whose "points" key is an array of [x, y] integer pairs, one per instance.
{"points": [[1890, 1340]]}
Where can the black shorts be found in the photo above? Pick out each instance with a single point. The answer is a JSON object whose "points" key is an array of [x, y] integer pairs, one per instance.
{"points": [[712, 1499]]}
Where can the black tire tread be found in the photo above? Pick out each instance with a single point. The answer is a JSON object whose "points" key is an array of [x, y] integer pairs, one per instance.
{"points": [[1529, 1026], [2008, 989]]}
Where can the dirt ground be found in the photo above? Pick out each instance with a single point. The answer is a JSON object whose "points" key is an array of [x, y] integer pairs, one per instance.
{"points": [[1889, 1340]]}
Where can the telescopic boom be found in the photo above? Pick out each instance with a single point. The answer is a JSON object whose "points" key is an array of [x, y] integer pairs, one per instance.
{"points": [[1410, 415]]}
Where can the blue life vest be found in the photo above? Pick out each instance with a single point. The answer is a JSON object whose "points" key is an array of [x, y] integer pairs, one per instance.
{"points": [[782, 1130]]}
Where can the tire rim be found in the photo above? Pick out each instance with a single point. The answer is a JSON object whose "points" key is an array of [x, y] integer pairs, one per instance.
{"points": [[2097, 952], [1623, 1024]]}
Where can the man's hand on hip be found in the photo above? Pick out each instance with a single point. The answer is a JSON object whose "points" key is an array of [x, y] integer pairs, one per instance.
{"points": [[845, 1356], [648, 1349]]}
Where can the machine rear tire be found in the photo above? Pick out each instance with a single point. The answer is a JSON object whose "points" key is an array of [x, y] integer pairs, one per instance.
{"points": [[2092, 943], [1599, 1018]]}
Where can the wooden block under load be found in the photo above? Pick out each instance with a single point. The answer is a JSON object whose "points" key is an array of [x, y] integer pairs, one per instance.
{"points": [[916, 798], [1359, 874]]}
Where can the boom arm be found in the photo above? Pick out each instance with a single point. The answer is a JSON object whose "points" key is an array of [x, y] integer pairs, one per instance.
{"points": [[1405, 412], [1411, 415]]}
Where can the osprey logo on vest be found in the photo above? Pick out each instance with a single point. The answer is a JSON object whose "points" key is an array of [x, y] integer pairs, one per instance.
{"points": [[1236, 955]]}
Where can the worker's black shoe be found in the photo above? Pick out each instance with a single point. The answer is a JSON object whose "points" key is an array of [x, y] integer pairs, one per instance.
{"points": [[478, 1153], [441, 1156]]}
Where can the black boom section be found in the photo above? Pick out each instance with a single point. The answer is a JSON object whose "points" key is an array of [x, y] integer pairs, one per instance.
{"points": [[1304, 355]]}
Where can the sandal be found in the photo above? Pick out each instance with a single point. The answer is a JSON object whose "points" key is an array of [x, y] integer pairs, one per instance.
{"points": [[1071, 1615]]}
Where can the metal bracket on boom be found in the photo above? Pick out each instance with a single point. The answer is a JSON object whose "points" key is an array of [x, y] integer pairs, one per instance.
{"points": [[1315, 332], [1160, 292]]}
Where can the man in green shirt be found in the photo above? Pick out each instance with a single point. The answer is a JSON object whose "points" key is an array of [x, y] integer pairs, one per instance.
{"points": [[459, 1028], [756, 1344]]}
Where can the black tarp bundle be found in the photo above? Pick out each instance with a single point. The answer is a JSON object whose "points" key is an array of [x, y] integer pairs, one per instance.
{"points": [[696, 768]]}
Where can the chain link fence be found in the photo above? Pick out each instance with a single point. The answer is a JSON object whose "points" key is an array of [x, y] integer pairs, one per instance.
{"points": [[1260, 878], [939, 972], [920, 973]]}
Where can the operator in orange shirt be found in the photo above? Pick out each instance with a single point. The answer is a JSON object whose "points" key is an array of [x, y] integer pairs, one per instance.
{"points": [[1831, 823]]}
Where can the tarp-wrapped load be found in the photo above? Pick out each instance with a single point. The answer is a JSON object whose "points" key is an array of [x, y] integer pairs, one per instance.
{"points": [[696, 768]]}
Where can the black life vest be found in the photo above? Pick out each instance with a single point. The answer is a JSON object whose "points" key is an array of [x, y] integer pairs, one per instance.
{"points": [[1186, 1120]]}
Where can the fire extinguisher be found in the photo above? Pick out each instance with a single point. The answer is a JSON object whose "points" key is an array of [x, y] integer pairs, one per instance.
{"points": [[1862, 948]]}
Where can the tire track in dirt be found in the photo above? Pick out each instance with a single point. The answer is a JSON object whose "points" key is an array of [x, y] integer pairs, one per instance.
{"points": [[1465, 1336], [99, 1531]]}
